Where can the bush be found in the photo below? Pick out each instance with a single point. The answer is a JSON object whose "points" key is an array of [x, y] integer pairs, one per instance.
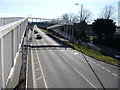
{"points": [[103, 27]]}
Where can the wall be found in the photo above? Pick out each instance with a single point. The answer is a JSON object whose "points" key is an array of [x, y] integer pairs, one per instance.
{"points": [[11, 36]]}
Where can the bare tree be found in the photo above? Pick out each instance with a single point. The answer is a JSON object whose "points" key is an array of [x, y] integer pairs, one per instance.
{"points": [[68, 18], [107, 12], [86, 15]]}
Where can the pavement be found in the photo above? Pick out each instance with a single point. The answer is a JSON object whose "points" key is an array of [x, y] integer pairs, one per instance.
{"points": [[67, 68]]}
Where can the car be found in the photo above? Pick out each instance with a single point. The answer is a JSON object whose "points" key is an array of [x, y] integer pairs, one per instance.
{"points": [[38, 36], [35, 32]]}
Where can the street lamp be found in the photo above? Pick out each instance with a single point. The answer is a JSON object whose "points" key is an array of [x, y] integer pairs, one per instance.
{"points": [[80, 11]]}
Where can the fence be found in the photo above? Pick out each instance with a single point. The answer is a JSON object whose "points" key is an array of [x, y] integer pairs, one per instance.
{"points": [[11, 39]]}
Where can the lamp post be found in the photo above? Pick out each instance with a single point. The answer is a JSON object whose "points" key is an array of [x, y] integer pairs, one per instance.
{"points": [[80, 11]]}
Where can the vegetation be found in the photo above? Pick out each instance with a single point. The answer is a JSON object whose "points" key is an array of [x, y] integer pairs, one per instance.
{"points": [[45, 31], [94, 54], [103, 27]]}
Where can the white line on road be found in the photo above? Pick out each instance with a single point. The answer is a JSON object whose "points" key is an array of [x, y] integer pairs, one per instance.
{"points": [[76, 53], [98, 65], [94, 62], [102, 67], [42, 71], [107, 70], [79, 72], [39, 78], [84, 78], [114, 74], [64, 59], [37, 69]]}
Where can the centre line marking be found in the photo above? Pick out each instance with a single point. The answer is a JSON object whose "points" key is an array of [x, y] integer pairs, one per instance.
{"points": [[107, 70], [102, 67], [114, 74], [84, 78], [98, 65], [80, 73]]}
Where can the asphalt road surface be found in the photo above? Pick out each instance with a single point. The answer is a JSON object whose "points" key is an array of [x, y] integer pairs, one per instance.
{"points": [[67, 68]]}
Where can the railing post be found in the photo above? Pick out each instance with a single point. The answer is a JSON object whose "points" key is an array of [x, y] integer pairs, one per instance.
{"points": [[2, 64]]}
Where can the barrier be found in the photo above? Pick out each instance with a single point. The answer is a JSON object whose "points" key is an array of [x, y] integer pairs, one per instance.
{"points": [[7, 20], [11, 39]]}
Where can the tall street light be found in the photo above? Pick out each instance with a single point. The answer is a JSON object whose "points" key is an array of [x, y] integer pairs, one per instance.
{"points": [[80, 11]]}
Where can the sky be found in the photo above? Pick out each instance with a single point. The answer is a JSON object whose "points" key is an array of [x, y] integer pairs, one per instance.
{"points": [[52, 9]]}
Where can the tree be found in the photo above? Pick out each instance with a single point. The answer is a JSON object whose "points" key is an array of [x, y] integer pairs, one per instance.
{"points": [[103, 27], [68, 18], [80, 30], [107, 12], [86, 15]]}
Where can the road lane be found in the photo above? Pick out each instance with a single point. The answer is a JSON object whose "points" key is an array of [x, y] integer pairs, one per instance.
{"points": [[56, 62]]}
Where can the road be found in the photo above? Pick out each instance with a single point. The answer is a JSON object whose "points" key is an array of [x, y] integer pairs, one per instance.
{"points": [[68, 68]]}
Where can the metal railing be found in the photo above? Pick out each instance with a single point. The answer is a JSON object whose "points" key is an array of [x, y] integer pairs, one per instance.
{"points": [[11, 39]]}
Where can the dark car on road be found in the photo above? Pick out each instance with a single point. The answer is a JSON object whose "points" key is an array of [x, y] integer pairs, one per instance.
{"points": [[38, 36], [35, 32]]}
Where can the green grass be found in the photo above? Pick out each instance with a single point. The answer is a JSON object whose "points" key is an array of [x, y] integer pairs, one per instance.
{"points": [[45, 31], [94, 54]]}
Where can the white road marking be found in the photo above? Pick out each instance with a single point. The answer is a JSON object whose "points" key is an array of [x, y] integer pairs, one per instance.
{"points": [[107, 70], [94, 62], [98, 65], [75, 53], [42, 71], [65, 59], [37, 69], [102, 67], [45, 43], [85, 78], [39, 78], [114, 74], [79, 72]]}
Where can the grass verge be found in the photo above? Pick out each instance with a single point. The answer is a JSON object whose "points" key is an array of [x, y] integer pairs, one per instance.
{"points": [[94, 54], [45, 31]]}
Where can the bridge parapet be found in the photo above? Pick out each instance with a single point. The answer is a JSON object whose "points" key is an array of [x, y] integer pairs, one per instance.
{"points": [[11, 40], [7, 20]]}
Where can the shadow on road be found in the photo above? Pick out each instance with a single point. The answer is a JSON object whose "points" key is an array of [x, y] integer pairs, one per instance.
{"points": [[47, 47]]}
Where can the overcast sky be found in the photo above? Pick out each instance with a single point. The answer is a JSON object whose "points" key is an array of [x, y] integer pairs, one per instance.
{"points": [[51, 8]]}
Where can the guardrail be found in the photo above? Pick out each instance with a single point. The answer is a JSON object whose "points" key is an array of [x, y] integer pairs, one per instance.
{"points": [[7, 20], [11, 40]]}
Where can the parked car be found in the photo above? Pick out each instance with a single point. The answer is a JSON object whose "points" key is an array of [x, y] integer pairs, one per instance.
{"points": [[38, 36], [35, 32]]}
